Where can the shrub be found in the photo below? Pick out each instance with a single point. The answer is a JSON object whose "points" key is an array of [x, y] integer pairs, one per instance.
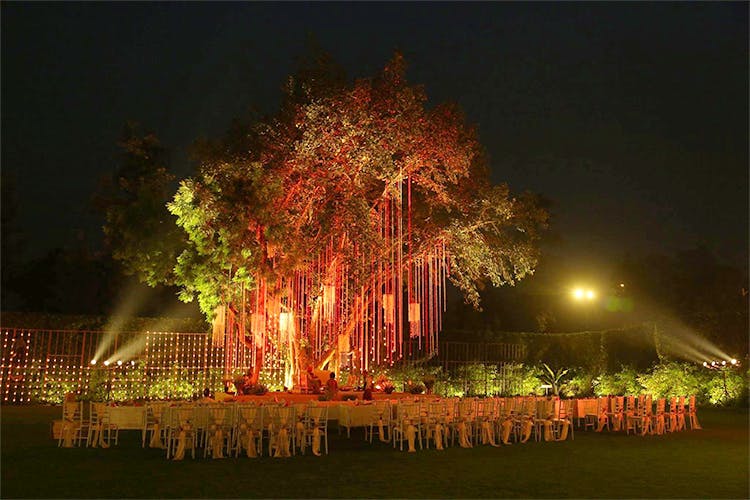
{"points": [[675, 379], [581, 384], [736, 388], [624, 382]]}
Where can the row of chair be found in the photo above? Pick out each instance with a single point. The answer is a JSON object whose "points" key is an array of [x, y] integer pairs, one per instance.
{"points": [[92, 429], [469, 421], [234, 429], [640, 415]]}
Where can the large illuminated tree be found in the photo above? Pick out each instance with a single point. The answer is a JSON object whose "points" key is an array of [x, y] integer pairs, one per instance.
{"points": [[326, 233]]}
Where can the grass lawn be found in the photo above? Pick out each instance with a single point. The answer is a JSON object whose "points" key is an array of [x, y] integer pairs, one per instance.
{"points": [[711, 463]]}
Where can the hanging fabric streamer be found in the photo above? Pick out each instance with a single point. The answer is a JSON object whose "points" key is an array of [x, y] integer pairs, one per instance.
{"points": [[301, 436], [388, 308], [506, 427], [548, 434], [564, 431], [411, 433], [414, 319], [70, 425], [438, 434], [248, 440], [316, 441], [526, 426], [463, 435], [488, 433], [381, 434]]}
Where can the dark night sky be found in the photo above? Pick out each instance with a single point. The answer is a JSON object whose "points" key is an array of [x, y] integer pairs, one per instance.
{"points": [[631, 117]]}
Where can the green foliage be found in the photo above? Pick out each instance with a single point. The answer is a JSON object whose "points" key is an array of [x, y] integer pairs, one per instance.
{"points": [[580, 384], [527, 380], [138, 228], [495, 239], [553, 377], [625, 381], [732, 390], [674, 379]]}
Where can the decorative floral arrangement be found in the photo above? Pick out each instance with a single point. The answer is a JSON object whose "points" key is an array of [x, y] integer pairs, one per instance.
{"points": [[387, 387]]}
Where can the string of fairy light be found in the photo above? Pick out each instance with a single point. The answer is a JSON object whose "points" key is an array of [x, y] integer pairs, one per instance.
{"points": [[44, 365]]}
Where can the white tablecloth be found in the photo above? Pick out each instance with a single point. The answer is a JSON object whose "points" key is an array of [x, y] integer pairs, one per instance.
{"points": [[127, 417]]}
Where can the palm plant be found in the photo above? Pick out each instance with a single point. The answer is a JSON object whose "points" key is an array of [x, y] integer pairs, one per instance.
{"points": [[553, 377]]}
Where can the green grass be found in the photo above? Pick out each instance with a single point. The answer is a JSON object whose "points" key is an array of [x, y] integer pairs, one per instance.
{"points": [[712, 463]]}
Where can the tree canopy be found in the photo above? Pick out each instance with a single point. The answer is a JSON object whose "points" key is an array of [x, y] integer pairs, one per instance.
{"points": [[345, 182]]}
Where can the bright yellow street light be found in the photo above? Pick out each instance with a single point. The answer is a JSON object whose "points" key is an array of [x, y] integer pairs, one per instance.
{"points": [[581, 294]]}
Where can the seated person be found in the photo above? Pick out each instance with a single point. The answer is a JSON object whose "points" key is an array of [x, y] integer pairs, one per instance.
{"points": [[332, 387], [247, 384], [313, 382], [207, 396], [229, 388]]}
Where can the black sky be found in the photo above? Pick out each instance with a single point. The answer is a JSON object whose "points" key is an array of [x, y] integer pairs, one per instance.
{"points": [[631, 117]]}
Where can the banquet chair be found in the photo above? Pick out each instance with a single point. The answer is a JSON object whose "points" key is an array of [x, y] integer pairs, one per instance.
{"points": [[247, 430], [693, 414], [462, 423], [566, 413], [616, 414], [523, 416], [380, 420], [484, 421], [316, 428], [217, 435], [592, 415], [182, 433], [603, 414], [681, 426], [670, 417], [75, 428], [153, 424], [648, 411], [638, 419], [436, 424], [101, 430], [407, 425], [280, 430], [657, 418], [543, 413]]}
